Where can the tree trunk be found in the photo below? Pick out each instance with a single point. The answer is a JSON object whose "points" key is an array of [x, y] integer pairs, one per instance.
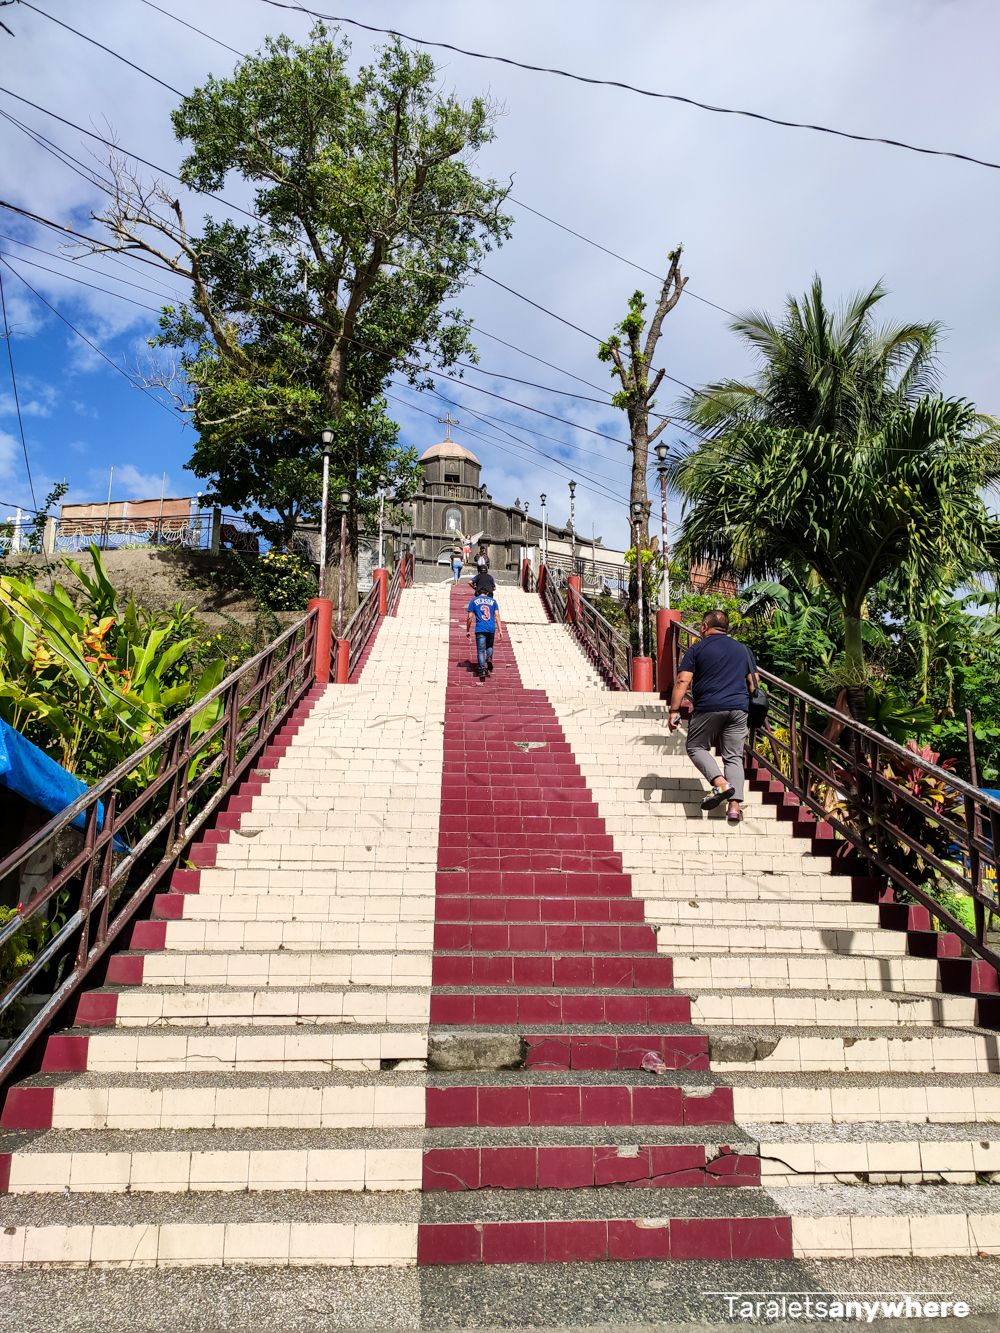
{"points": [[854, 663]]}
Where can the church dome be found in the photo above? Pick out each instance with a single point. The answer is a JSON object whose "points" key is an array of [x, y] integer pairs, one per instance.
{"points": [[448, 449]]}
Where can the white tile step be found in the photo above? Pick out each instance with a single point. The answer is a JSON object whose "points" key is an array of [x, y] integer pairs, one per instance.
{"points": [[804, 972], [144, 1008], [717, 861], [162, 1051], [731, 939], [919, 1221], [383, 883], [227, 1171], [336, 1106], [184, 1245], [837, 1010], [917, 1102], [941, 1051], [217, 921], [757, 914], [351, 855], [286, 967], [730, 884], [909, 1162]]}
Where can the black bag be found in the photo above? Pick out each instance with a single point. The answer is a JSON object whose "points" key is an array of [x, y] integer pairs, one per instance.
{"points": [[759, 703]]}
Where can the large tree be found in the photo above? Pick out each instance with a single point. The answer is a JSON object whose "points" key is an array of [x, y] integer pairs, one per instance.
{"points": [[369, 215], [631, 357]]}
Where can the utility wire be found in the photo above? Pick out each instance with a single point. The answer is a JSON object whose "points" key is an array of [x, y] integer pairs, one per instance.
{"points": [[118, 148], [17, 401], [88, 268], [4, 260], [646, 92], [93, 286], [199, 31], [77, 33]]}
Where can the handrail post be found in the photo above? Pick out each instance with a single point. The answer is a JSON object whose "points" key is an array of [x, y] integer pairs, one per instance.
{"points": [[574, 587], [87, 888], [323, 608], [107, 866], [665, 672], [343, 661], [381, 577]]}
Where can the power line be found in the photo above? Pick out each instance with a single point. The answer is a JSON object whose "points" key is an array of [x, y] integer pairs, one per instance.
{"points": [[4, 260], [118, 148], [17, 401], [199, 31], [54, 254], [77, 33], [92, 285], [646, 92]]}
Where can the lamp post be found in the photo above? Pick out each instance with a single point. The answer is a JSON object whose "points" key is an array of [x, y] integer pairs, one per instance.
{"points": [[636, 519], [382, 484], [661, 472], [345, 499], [545, 535], [326, 436], [572, 522]]}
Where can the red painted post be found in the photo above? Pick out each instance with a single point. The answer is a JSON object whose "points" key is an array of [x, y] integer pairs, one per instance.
{"points": [[381, 577], [642, 675], [324, 637], [575, 586], [525, 566], [343, 661], [665, 650]]}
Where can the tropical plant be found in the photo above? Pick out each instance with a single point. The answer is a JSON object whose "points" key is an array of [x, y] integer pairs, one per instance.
{"points": [[821, 370], [91, 683], [897, 505]]}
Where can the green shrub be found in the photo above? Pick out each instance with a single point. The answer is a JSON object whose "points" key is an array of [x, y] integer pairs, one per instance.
{"points": [[283, 582]]}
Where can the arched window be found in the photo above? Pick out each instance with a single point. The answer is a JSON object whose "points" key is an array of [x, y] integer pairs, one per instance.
{"points": [[453, 520]]}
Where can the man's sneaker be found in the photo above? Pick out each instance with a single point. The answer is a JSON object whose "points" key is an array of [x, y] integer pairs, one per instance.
{"points": [[717, 795], [482, 677], [489, 665]]}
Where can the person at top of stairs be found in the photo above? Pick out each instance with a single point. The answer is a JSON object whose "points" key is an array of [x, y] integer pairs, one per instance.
{"points": [[484, 613], [721, 674]]}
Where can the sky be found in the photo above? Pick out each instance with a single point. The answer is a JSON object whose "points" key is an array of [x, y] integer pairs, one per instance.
{"points": [[759, 209]]}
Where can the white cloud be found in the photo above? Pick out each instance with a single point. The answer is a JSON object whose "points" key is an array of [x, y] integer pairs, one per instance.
{"points": [[129, 483], [78, 446], [30, 407], [83, 410]]}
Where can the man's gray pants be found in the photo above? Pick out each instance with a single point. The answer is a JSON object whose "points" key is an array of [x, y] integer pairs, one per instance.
{"points": [[731, 727]]}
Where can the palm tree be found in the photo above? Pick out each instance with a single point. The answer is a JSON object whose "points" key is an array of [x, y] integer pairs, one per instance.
{"points": [[899, 502], [823, 370]]}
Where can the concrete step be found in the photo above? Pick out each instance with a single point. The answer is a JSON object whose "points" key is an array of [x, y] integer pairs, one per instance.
{"points": [[752, 913], [841, 1009], [278, 966], [192, 1006], [805, 971], [853, 1051]]}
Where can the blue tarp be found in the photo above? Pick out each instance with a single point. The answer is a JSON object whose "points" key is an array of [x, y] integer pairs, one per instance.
{"points": [[30, 772]]}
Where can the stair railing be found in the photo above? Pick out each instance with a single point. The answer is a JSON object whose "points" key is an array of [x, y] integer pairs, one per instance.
{"points": [[552, 598], [360, 627], [402, 577], [131, 843], [610, 652], [912, 819]]}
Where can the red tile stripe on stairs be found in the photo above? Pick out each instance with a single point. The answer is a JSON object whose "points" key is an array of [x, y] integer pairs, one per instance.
{"points": [[531, 893]]}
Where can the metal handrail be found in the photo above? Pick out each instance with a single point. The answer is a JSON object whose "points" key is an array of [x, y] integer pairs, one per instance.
{"points": [[610, 651], [402, 577], [361, 626], [195, 761], [815, 766], [551, 597]]}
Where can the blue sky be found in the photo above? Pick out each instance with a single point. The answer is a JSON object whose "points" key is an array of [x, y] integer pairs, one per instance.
{"points": [[758, 208]]}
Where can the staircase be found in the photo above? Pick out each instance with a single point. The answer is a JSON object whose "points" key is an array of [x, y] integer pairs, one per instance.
{"points": [[396, 1013]]}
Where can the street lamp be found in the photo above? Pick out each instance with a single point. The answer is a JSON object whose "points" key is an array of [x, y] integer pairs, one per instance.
{"points": [[572, 521], [345, 500], [326, 436], [661, 472], [545, 535], [382, 485], [636, 520]]}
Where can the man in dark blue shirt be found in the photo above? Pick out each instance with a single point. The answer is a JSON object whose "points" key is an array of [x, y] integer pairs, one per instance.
{"points": [[721, 673], [485, 615]]}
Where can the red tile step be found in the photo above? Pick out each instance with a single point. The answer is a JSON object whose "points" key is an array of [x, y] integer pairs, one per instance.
{"points": [[517, 1010], [573, 1167], [480, 860], [563, 937], [527, 841], [555, 911], [607, 1051], [525, 883], [604, 1239], [546, 1105], [602, 972]]}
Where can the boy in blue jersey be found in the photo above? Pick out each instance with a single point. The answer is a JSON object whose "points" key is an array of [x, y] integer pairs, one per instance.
{"points": [[485, 615]]}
